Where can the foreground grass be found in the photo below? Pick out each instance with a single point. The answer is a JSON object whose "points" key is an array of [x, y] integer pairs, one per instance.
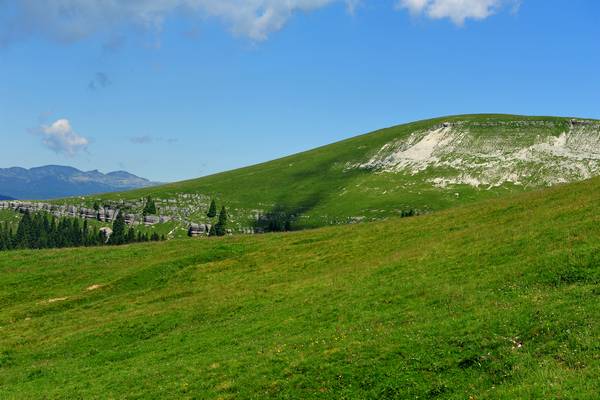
{"points": [[495, 300]]}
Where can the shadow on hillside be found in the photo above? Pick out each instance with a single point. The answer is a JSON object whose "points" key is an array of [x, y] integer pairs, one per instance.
{"points": [[310, 185], [284, 217]]}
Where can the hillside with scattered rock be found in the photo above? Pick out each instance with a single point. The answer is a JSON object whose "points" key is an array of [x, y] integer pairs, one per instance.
{"points": [[413, 168]]}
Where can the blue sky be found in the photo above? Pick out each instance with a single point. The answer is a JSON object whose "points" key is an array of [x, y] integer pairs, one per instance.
{"points": [[175, 89]]}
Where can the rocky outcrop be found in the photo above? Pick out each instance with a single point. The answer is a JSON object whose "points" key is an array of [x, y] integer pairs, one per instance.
{"points": [[106, 232], [524, 153], [185, 210], [195, 230], [151, 220]]}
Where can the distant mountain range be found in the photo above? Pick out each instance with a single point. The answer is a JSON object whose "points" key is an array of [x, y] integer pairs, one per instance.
{"points": [[55, 181], [2, 197]]}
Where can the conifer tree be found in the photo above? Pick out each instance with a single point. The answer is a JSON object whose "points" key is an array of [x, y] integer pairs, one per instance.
{"points": [[119, 230], [85, 238], [4, 237], [22, 239], [222, 222], [150, 207], [100, 238], [131, 235], [75, 233], [212, 209], [35, 231], [52, 233]]}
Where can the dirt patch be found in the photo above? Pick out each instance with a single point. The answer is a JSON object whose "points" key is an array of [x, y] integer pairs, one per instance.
{"points": [[93, 287], [56, 299]]}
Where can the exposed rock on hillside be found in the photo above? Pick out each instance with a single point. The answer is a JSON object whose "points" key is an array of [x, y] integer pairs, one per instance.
{"points": [[537, 153]]}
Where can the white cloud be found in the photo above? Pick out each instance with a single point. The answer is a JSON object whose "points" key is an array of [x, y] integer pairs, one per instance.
{"points": [[456, 10], [61, 138], [71, 20], [414, 6]]}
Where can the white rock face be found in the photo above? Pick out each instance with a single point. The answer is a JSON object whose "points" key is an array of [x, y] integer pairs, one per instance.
{"points": [[495, 153]]}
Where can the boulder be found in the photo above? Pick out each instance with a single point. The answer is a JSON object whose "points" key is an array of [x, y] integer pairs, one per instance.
{"points": [[151, 220], [198, 230], [106, 232]]}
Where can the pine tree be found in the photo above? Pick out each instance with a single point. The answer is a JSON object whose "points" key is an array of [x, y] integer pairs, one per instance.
{"points": [[85, 234], [119, 230], [212, 231], [75, 232], [222, 222], [212, 210], [22, 237], [4, 238], [130, 235], [100, 238], [45, 231], [52, 234], [8, 236], [35, 231], [150, 207]]}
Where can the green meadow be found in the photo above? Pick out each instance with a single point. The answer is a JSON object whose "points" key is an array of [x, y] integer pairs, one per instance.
{"points": [[497, 299]]}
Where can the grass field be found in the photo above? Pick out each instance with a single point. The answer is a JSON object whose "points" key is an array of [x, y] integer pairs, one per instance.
{"points": [[493, 300]]}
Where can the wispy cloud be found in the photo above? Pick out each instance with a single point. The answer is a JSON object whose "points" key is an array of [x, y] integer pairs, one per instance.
{"points": [[99, 81], [456, 10], [147, 139], [71, 20], [141, 139], [62, 139]]}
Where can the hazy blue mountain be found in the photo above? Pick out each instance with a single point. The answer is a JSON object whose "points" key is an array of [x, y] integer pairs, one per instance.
{"points": [[55, 181]]}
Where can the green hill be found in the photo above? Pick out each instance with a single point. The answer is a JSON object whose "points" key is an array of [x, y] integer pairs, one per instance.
{"points": [[494, 300], [423, 166]]}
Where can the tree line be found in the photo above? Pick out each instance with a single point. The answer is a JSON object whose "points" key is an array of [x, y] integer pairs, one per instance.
{"points": [[220, 228], [44, 231]]}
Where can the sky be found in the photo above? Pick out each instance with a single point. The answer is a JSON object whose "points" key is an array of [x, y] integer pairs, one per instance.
{"points": [[177, 89]]}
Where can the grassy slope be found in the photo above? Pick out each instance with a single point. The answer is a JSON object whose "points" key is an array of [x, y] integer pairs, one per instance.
{"points": [[315, 182], [421, 307]]}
